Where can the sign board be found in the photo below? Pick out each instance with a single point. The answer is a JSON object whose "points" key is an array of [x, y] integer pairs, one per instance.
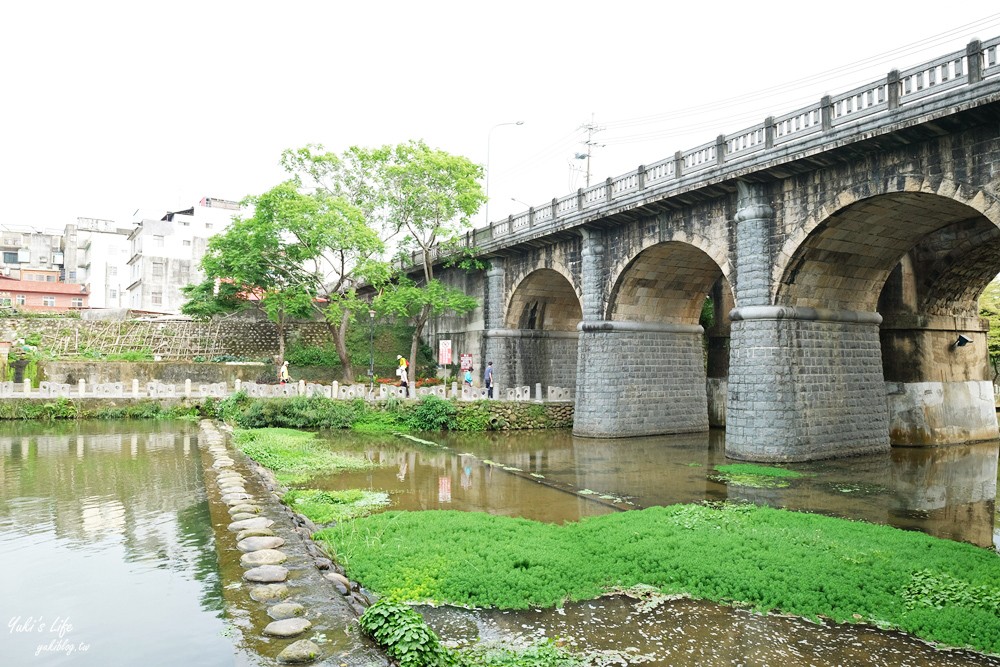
{"points": [[444, 352], [466, 361]]}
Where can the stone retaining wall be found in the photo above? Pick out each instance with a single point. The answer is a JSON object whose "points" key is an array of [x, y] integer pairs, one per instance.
{"points": [[170, 340]]}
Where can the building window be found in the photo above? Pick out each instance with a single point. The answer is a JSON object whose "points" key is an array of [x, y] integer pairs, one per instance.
{"points": [[48, 301], [208, 225], [187, 243], [157, 241], [10, 258], [112, 270], [21, 300], [5, 302], [72, 275], [77, 302], [113, 293], [157, 298], [50, 279], [157, 269]]}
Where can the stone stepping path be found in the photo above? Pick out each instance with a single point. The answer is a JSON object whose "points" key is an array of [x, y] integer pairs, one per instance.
{"points": [[261, 557]]}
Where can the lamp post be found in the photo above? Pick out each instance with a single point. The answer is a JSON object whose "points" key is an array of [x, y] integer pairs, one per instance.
{"points": [[371, 351], [489, 138]]}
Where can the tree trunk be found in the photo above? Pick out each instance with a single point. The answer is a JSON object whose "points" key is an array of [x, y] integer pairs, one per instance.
{"points": [[418, 329], [340, 342], [339, 335]]}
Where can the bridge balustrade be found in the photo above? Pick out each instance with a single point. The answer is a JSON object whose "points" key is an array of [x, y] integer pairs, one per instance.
{"points": [[947, 73]]}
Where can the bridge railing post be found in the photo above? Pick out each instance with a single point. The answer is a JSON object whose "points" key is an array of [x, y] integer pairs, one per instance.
{"points": [[640, 177], [531, 217], [826, 112], [678, 164], [720, 150], [892, 90], [974, 59], [555, 207], [769, 132], [579, 199], [607, 189]]}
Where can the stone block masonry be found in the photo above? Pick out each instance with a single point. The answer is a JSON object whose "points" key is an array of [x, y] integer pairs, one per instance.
{"points": [[639, 379], [805, 385]]}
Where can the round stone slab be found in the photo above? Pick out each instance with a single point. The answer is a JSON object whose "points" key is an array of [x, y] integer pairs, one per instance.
{"points": [[226, 489], [236, 498], [243, 516], [269, 592], [258, 543], [283, 610], [299, 653], [267, 574], [263, 557], [255, 522], [254, 532], [245, 507], [288, 627]]}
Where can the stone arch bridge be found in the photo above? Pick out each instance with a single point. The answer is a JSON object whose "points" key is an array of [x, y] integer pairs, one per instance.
{"points": [[842, 247]]}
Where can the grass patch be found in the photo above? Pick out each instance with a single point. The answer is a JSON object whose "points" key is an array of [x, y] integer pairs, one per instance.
{"points": [[801, 564], [294, 456], [328, 506]]}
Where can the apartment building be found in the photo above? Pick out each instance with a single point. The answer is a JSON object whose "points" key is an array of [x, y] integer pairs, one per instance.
{"points": [[165, 254], [96, 254], [31, 254]]}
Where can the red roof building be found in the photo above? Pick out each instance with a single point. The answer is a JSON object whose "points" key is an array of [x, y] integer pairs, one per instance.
{"points": [[42, 297]]}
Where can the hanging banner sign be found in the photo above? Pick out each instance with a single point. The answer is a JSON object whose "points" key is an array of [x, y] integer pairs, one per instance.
{"points": [[466, 361], [444, 352]]}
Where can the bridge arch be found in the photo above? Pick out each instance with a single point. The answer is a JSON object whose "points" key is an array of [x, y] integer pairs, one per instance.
{"points": [[539, 338], [665, 282], [544, 299], [841, 254]]}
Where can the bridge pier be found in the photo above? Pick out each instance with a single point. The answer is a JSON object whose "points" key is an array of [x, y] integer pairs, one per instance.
{"points": [[939, 393], [805, 384], [638, 379]]}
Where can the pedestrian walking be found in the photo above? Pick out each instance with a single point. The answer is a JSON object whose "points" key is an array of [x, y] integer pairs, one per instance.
{"points": [[488, 379], [283, 375]]}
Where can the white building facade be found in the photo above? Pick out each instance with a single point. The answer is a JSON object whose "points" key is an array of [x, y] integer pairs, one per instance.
{"points": [[97, 253], [165, 254]]}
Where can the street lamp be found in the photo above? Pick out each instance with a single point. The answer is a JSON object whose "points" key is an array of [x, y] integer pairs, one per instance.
{"points": [[371, 351], [489, 138]]}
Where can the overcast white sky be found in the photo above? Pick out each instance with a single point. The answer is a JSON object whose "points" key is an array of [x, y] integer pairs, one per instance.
{"points": [[112, 107]]}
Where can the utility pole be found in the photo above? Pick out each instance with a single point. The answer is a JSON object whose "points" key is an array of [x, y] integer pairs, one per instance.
{"points": [[591, 128]]}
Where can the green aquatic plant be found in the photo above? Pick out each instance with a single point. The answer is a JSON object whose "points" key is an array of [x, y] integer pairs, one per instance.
{"points": [[755, 476], [294, 456], [801, 564], [322, 507]]}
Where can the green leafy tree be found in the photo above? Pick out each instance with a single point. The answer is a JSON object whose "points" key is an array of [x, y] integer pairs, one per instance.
{"points": [[425, 200], [346, 247], [260, 263], [989, 307]]}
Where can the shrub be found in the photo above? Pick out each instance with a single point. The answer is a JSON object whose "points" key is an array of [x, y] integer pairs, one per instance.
{"points": [[405, 636], [432, 413]]}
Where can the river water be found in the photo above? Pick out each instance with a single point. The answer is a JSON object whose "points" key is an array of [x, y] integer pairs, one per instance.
{"points": [[949, 492], [108, 557], [107, 554]]}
